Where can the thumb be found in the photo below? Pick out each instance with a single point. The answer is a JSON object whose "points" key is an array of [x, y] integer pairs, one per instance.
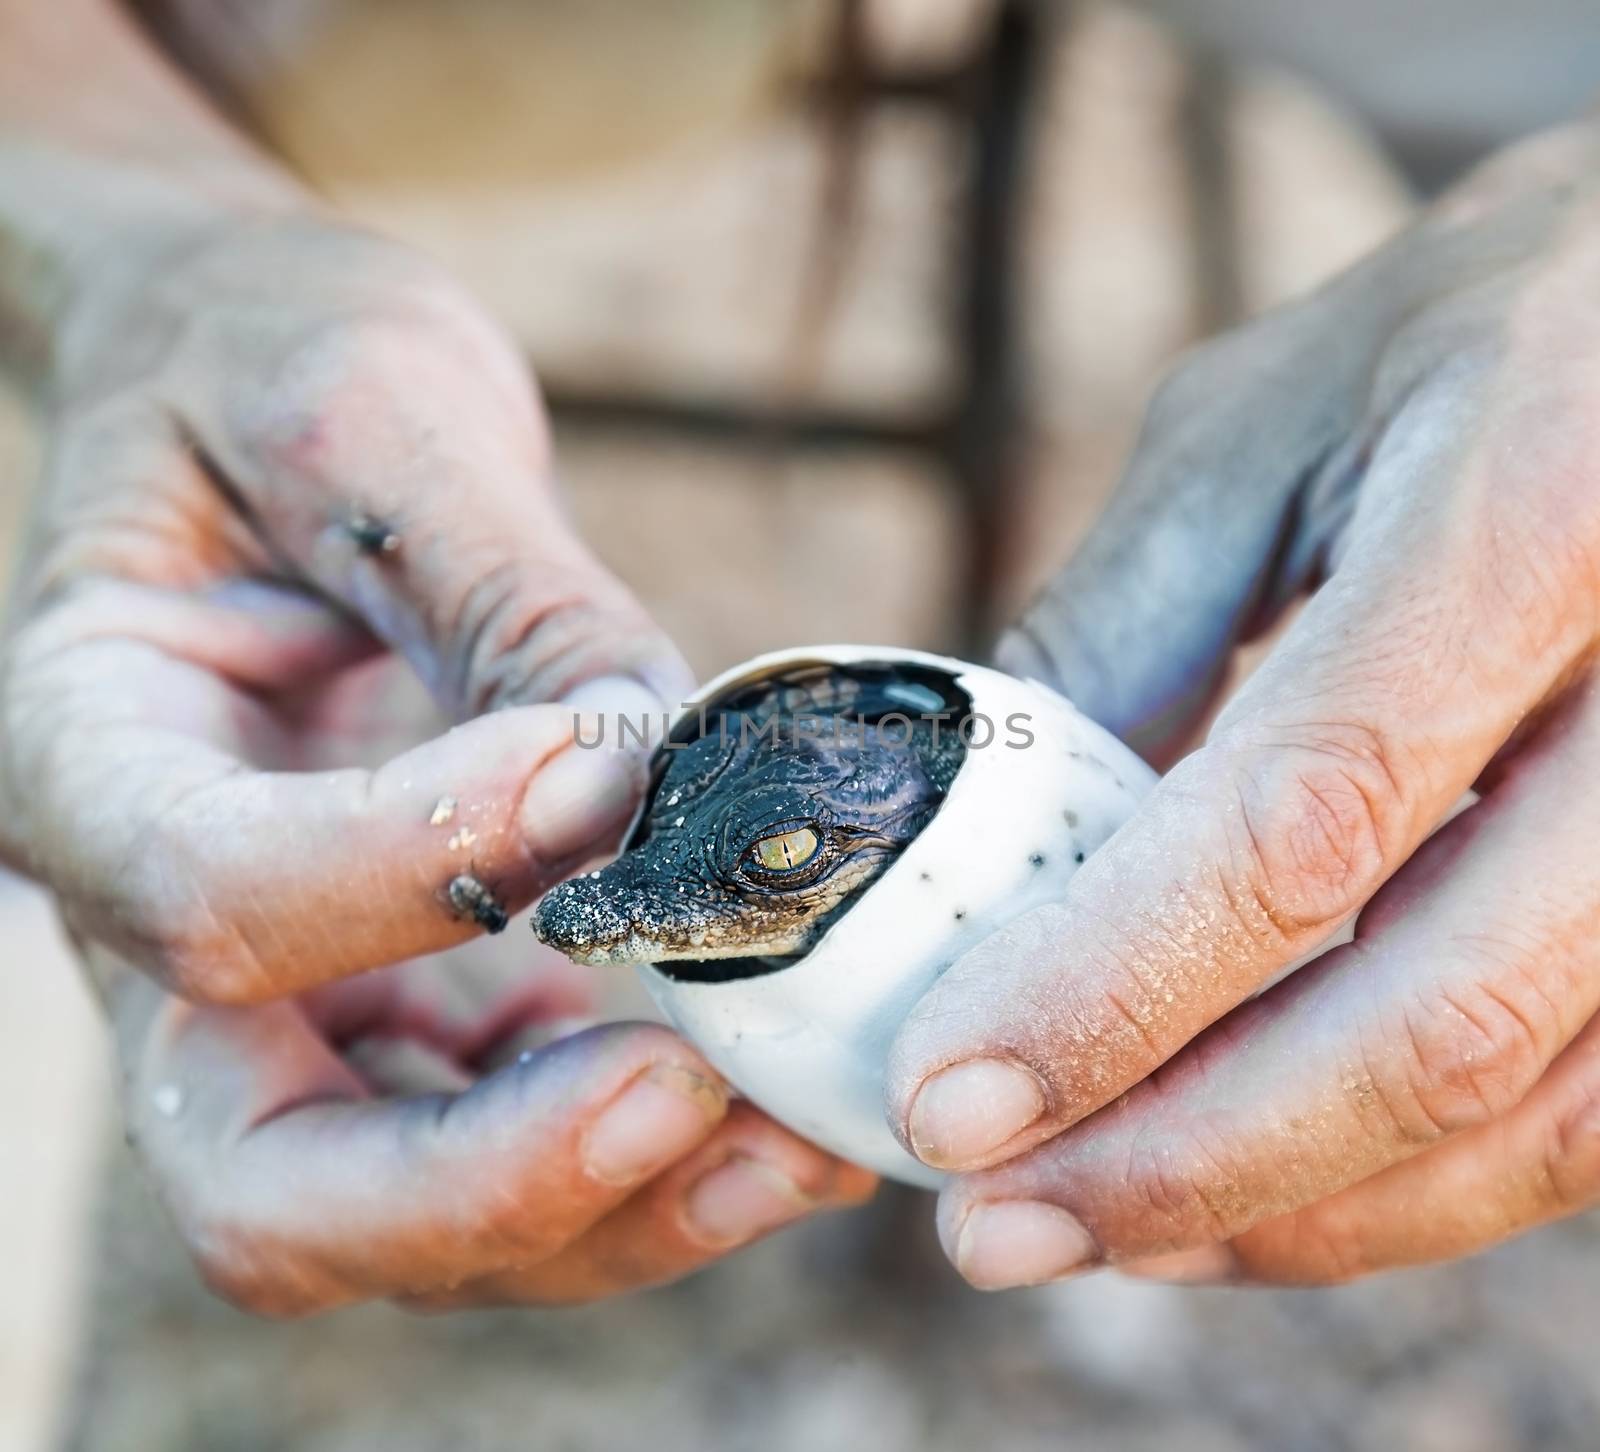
{"points": [[1236, 484]]}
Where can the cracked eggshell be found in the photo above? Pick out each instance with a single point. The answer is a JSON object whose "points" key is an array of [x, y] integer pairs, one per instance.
{"points": [[809, 1042]]}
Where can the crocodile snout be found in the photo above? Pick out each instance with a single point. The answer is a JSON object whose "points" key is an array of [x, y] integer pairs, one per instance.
{"points": [[579, 919]]}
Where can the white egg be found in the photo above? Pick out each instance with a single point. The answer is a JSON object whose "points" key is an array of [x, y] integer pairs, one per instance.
{"points": [[808, 1041]]}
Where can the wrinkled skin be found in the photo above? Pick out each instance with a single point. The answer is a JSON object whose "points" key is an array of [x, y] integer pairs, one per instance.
{"points": [[1114, 1077], [812, 763], [240, 388], [286, 722]]}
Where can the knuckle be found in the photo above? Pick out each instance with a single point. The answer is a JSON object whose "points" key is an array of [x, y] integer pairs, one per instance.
{"points": [[1236, 364], [329, 363], [1187, 1190], [1317, 824], [514, 1223], [1431, 356], [760, 1142], [510, 644], [1187, 391], [382, 365], [1467, 1056], [517, 1221], [1571, 1153], [204, 973], [163, 919], [1182, 416], [1533, 557], [1317, 1247], [1178, 392], [1540, 560]]}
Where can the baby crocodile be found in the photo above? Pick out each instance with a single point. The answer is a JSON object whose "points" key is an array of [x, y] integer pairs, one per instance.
{"points": [[794, 795]]}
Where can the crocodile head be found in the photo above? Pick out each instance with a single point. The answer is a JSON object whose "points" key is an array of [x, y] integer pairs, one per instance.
{"points": [[762, 830]]}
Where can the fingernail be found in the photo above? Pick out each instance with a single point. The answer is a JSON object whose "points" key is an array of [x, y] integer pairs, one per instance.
{"points": [[581, 800], [657, 1119], [739, 1200], [1204, 1265], [965, 1112], [1021, 1243]]}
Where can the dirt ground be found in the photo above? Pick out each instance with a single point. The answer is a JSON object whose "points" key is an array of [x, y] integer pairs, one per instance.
{"points": [[676, 269]]}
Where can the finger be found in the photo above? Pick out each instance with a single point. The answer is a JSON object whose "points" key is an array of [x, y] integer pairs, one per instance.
{"points": [[1437, 1021], [397, 455], [475, 1005], [750, 1178], [532, 1036], [128, 786], [294, 1192], [1239, 478], [1539, 1163], [1369, 720]]}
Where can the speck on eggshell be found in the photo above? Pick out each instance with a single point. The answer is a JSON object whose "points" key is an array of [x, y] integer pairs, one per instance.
{"points": [[807, 1038]]}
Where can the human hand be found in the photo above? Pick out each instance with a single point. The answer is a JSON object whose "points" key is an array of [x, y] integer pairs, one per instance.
{"points": [[289, 467], [277, 448], [436, 1134], [1112, 1074]]}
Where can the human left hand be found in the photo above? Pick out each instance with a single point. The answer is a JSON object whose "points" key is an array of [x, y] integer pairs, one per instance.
{"points": [[1112, 1075], [276, 447], [448, 1132]]}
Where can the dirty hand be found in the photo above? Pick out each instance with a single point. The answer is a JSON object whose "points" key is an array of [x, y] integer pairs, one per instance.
{"points": [[1420, 443], [284, 461], [438, 1134]]}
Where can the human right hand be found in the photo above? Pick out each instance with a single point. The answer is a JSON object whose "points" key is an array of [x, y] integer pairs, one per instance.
{"points": [[1121, 1076]]}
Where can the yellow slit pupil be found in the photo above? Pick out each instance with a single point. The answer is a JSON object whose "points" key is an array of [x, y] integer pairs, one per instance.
{"points": [[788, 850]]}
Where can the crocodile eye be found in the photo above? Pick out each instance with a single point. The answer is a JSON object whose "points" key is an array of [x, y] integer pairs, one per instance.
{"points": [[787, 850]]}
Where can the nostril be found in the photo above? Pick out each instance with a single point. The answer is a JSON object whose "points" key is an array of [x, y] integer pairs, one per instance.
{"points": [[575, 917]]}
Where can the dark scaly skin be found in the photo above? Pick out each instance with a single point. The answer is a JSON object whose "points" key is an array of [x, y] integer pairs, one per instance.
{"points": [[813, 750]]}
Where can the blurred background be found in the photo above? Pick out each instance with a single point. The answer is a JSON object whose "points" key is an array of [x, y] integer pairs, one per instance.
{"points": [[846, 313]]}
